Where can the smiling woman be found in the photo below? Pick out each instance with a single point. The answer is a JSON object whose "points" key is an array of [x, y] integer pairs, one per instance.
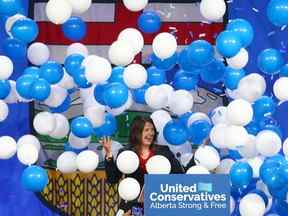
{"points": [[142, 142]]}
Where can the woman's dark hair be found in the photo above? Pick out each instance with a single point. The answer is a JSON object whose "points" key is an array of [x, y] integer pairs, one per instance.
{"points": [[136, 130]]}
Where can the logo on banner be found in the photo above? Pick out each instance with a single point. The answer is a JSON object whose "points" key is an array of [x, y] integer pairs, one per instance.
{"points": [[171, 195]]}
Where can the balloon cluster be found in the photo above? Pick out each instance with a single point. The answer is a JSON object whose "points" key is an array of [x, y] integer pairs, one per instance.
{"points": [[245, 139]]}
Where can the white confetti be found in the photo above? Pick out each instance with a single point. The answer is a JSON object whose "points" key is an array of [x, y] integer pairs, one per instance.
{"points": [[255, 9], [283, 27], [202, 35], [271, 33], [172, 6]]}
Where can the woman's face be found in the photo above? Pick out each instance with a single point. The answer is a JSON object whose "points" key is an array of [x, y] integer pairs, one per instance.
{"points": [[148, 134]]}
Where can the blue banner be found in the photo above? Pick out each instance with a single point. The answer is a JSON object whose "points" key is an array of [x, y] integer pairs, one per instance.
{"points": [[171, 195]]}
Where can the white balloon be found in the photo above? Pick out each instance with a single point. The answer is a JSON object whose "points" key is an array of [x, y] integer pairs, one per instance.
{"points": [[27, 154], [95, 114], [252, 204], [87, 93], [212, 10], [129, 189], [4, 110], [87, 161], [197, 170], [160, 118], [239, 112], [155, 97], [13, 96], [123, 108], [133, 37], [135, 5], [77, 48], [249, 150], [232, 204], [197, 116], [57, 96], [158, 164], [29, 139], [67, 81], [236, 137], [38, 53], [97, 69], [66, 162], [233, 94], [268, 143], [255, 163], [184, 106], [77, 142], [164, 45], [8, 147], [135, 76], [219, 115], [225, 166], [285, 147], [186, 157], [207, 156], [11, 20], [168, 89], [79, 7], [251, 87], [6, 67], [217, 135], [127, 162], [240, 60], [121, 53], [58, 12], [280, 88], [44, 123], [62, 127]]}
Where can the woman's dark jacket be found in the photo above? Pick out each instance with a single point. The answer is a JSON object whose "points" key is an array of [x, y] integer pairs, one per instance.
{"points": [[114, 175]]}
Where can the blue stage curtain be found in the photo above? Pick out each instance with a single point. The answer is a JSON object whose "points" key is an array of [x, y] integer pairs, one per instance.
{"points": [[14, 199]]}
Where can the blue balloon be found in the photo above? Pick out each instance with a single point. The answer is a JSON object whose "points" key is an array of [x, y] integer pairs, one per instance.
{"points": [[213, 72], [40, 89], [34, 178], [199, 131], [271, 175], [81, 127], [263, 106], [26, 30], [253, 128], [62, 107], [23, 86], [234, 154], [185, 80], [115, 94], [149, 22], [175, 133], [74, 28], [243, 29], [80, 79], [241, 174], [270, 61], [184, 61], [232, 77], [274, 128], [117, 74], [52, 72], [267, 120], [14, 49], [139, 94], [228, 43], [156, 76], [99, 92], [73, 63], [33, 71], [5, 88], [183, 119], [9, 7], [108, 128], [284, 71], [200, 53], [164, 64], [277, 12], [280, 207]]}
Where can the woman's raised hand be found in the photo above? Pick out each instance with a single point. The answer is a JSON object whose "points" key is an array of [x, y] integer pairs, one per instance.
{"points": [[107, 145]]}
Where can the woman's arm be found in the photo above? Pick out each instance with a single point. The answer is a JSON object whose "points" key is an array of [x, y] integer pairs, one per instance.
{"points": [[112, 172]]}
